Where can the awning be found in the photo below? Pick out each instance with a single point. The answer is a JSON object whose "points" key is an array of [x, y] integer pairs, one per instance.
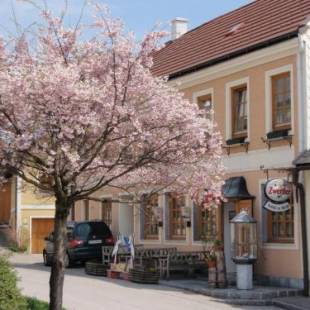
{"points": [[302, 159], [235, 188]]}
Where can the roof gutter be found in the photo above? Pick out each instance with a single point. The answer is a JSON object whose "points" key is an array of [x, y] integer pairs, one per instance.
{"points": [[234, 54]]}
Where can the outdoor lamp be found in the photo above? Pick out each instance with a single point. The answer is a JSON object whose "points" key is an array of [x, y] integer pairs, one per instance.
{"points": [[244, 243]]}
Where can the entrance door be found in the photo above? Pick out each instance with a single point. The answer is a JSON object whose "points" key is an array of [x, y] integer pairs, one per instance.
{"points": [[229, 213], [5, 203], [40, 228], [126, 217]]}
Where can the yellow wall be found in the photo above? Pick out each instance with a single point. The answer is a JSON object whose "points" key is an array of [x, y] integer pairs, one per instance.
{"points": [[24, 231], [30, 197]]}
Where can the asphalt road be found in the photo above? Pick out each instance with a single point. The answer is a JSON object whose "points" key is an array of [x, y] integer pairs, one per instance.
{"points": [[83, 292]]}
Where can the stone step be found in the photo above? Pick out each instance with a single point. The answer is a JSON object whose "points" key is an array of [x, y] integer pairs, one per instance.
{"points": [[259, 296], [247, 302]]}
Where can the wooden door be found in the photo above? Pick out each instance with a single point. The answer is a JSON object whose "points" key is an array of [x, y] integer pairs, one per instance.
{"points": [[5, 203], [40, 229]]}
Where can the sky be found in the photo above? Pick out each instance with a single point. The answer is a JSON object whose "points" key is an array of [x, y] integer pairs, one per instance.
{"points": [[139, 16]]}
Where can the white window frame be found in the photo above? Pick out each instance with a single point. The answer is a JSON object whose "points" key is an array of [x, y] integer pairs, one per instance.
{"points": [[160, 205], [228, 91], [268, 95], [166, 238], [204, 92]]}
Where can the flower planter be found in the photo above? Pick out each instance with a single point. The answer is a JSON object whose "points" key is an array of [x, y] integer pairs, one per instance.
{"points": [[96, 269], [138, 275], [212, 264]]}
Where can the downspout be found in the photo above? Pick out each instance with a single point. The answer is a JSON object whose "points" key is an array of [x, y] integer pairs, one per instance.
{"points": [[304, 239], [301, 91], [303, 145]]}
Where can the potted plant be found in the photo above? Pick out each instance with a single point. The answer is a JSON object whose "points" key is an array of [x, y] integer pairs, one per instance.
{"points": [[211, 260]]}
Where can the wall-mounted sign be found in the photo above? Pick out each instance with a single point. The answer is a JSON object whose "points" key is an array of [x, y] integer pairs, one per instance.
{"points": [[278, 193], [275, 207]]}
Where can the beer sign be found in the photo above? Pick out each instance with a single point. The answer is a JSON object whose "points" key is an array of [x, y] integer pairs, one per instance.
{"points": [[278, 193]]}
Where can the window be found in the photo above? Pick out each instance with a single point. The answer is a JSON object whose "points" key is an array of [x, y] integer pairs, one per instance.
{"points": [[281, 101], [106, 209], [281, 226], [150, 217], [278, 227], [86, 209], [239, 112], [207, 223], [177, 224], [205, 105]]}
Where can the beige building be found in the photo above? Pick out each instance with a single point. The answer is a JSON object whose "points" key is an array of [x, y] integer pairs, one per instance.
{"points": [[252, 67]]}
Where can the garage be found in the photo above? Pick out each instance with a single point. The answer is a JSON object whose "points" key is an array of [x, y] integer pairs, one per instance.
{"points": [[40, 228], [5, 203]]}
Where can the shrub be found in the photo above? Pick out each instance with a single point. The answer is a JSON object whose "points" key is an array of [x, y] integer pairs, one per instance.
{"points": [[10, 296], [35, 304], [15, 247]]}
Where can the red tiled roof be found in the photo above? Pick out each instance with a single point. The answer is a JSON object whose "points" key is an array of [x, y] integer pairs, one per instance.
{"points": [[248, 28]]}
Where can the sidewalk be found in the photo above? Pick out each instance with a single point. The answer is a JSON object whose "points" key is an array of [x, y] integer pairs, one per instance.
{"points": [[259, 296], [293, 303]]}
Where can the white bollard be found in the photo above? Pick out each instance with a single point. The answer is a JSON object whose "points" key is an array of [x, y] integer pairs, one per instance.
{"points": [[244, 276]]}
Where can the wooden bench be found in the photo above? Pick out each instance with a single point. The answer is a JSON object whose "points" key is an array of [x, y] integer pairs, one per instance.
{"points": [[165, 260]]}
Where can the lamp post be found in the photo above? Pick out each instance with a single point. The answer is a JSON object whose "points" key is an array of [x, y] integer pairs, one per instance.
{"points": [[244, 242]]}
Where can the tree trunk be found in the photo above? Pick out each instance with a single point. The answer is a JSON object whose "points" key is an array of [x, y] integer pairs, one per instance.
{"points": [[58, 264]]}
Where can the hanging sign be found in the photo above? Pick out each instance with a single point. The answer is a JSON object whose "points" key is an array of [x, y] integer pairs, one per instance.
{"points": [[278, 193]]}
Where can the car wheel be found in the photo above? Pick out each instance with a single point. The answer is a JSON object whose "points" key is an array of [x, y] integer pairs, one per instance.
{"points": [[68, 262], [45, 259]]}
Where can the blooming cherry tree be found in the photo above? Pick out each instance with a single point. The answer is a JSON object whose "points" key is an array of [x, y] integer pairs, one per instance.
{"points": [[77, 116]]}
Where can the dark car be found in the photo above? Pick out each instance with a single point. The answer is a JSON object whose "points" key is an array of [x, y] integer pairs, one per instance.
{"points": [[83, 243]]}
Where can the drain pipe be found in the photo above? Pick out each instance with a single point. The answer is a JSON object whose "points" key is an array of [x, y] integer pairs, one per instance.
{"points": [[300, 191]]}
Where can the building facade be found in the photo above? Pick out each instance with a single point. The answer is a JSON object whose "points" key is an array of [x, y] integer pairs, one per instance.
{"points": [[252, 68]]}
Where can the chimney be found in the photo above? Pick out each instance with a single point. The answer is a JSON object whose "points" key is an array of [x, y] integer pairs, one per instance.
{"points": [[178, 27]]}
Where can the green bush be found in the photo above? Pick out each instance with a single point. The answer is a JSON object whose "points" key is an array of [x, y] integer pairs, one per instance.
{"points": [[15, 247], [35, 304], [10, 296]]}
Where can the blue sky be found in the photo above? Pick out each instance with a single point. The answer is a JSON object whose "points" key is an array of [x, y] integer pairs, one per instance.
{"points": [[139, 16]]}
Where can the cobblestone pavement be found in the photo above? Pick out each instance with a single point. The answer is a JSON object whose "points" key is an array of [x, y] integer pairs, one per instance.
{"points": [[85, 292]]}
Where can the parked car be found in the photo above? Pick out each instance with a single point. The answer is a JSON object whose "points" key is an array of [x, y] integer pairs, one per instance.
{"points": [[84, 241]]}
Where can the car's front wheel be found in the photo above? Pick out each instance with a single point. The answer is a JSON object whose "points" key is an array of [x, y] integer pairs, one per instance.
{"points": [[46, 260], [68, 262]]}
